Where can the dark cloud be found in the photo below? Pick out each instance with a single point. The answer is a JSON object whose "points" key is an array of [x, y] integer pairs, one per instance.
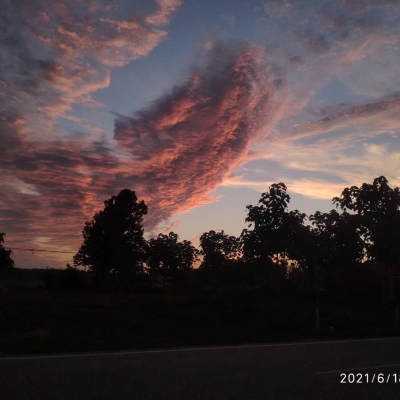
{"points": [[296, 60], [10, 139], [314, 42], [322, 112], [312, 28]]}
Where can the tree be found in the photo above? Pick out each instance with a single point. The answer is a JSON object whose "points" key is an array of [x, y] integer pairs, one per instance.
{"points": [[337, 239], [73, 278], [6, 262], [218, 248], [220, 252], [187, 255], [276, 231], [377, 206], [169, 257], [113, 240]]}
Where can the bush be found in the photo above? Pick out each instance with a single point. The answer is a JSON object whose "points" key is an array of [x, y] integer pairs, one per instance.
{"points": [[73, 279], [70, 278], [50, 279]]}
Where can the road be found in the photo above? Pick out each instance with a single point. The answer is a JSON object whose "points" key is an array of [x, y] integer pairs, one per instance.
{"points": [[272, 371]]}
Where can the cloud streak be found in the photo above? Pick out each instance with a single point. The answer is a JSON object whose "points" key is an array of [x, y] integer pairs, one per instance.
{"points": [[368, 120]]}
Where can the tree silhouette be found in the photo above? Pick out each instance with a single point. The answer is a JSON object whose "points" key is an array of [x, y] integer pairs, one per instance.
{"points": [[377, 206], [6, 262], [188, 255], [218, 248], [276, 232], [169, 257], [113, 240], [337, 239], [219, 251]]}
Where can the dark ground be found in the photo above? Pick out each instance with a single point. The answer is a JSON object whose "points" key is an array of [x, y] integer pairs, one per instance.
{"points": [[35, 321], [286, 371]]}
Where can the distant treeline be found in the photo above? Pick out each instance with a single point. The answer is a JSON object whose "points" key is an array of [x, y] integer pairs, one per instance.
{"points": [[279, 250]]}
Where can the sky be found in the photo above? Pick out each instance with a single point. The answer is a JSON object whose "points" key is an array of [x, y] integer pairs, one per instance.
{"points": [[196, 105]]}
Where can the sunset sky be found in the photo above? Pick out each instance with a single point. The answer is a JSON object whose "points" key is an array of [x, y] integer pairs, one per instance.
{"points": [[197, 105]]}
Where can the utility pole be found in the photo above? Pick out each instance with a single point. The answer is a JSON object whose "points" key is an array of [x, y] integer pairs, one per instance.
{"points": [[396, 299], [317, 300]]}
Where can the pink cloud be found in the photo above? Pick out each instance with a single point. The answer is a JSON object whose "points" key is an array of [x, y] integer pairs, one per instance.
{"points": [[172, 226], [56, 54], [166, 7], [173, 153], [187, 142]]}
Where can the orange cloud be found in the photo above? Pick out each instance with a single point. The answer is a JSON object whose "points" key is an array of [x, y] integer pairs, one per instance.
{"points": [[186, 143]]}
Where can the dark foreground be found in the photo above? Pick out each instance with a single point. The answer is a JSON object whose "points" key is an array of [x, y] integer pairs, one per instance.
{"points": [[280, 371], [38, 321]]}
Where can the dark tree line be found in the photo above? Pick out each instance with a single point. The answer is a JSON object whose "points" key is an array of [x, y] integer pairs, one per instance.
{"points": [[376, 207], [166, 257], [276, 245]]}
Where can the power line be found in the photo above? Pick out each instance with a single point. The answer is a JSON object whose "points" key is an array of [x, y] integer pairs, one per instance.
{"points": [[48, 251]]}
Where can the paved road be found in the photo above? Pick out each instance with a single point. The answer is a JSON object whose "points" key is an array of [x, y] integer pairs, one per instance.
{"points": [[283, 371]]}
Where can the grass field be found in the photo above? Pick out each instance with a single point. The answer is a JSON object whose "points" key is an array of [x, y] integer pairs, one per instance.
{"points": [[34, 320]]}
